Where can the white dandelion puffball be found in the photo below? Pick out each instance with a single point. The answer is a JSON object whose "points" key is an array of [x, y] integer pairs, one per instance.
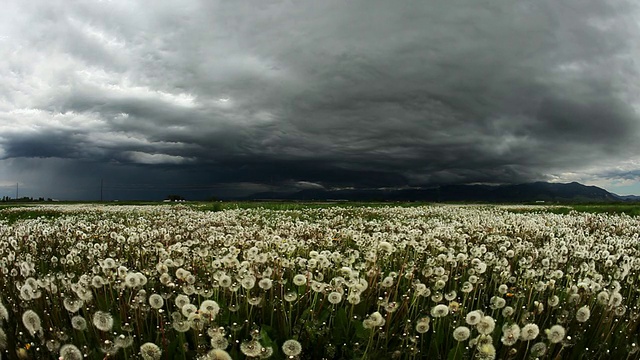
{"points": [[70, 352], [583, 314], [72, 305], [387, 282], [440, 310], [249, 282], [181, 325], [182, 300], [510, 334], [299, 280], [486, 325], [219, 341], [31, 321], [79, 323], [354, 298], [422, 325], [615, 299], [377, 319], [487, 351], [334, 297], [218, 354], [290, 296], [555, 334], [156, 301], [529, 332], [123, 341], [461, 333], [497, 302], [150, 351], [103, 321], [188, 310], [4, 313], [291, 347], [538, 349], [251, 348], [131, 280], [225, 281], [265, 283], [473, 317], [508, 311], [209, 308], [603, 297], [3, 339]]}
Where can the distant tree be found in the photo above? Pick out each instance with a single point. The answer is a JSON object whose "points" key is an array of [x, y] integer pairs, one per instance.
{"points": [[175, 197]]}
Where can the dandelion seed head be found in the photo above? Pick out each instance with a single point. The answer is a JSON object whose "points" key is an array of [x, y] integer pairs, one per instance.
{"points": [[70, 352], [439, 310], [150, 351], [538, 349], [486, 325], [473, 317], [510, 334], [299, 279], [251, 348], [334, 297], [292, 347], [79, 323], [182, 300], [555, 334], [583, 314], [103, 321], [209, 308], [422, 325], [3, 339], [265, 283], [461, 333], [31, 322], [156, 301], [218, 341], [218, 354]]}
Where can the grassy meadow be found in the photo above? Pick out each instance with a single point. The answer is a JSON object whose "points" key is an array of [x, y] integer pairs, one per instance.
{"points": [[319, 281]]}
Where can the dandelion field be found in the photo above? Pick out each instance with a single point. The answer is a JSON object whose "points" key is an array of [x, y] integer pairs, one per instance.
{"points": [[437, 282]]}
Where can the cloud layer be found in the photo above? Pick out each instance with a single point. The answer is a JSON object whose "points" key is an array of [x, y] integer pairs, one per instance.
{"points": [[236, 97]]}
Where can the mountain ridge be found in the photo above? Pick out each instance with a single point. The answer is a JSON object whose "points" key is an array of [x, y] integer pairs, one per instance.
{"points": [[507, 193]]}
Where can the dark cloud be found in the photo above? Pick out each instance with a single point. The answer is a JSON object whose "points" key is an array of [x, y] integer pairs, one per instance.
{"points": [[240, 97]]}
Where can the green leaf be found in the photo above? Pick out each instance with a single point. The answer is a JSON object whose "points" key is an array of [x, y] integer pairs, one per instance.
{"points": [[324, 315], [340, 325], [266, 339], [172, 349], [361, 332], [456, 355]]}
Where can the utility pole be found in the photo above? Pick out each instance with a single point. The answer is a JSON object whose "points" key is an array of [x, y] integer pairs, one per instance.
{"points": [[16, 191], [101, 186]]}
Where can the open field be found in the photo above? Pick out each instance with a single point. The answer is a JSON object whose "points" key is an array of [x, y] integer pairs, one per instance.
{"points": [[311, 281]]}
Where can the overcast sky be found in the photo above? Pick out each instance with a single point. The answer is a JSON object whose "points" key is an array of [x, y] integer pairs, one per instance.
{"points": [[218, 98]]}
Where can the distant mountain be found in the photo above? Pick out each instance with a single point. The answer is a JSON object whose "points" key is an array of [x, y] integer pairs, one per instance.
{"points": [[529, 192], [628, 197]]}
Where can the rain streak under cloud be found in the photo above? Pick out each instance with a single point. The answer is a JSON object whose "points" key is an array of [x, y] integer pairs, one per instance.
{"points": [[217, 98]]}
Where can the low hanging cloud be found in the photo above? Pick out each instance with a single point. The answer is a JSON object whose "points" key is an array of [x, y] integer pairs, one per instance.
{"points": [[271, 95]]}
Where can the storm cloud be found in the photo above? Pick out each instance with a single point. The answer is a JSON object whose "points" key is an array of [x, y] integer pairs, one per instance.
{"points": [[226, 98]]}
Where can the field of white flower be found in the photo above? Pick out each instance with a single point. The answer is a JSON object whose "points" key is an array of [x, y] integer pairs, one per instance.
{"points": [[436, 282]]}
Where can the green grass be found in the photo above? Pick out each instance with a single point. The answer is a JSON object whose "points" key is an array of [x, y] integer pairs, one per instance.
{"points": [[12, 216], [612, 209], [295, 205]]}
